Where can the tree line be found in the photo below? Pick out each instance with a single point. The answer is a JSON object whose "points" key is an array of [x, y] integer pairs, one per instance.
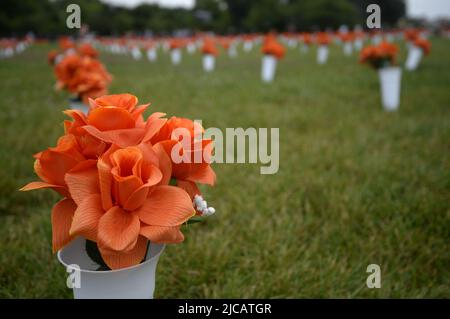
{"points": [[48, 17]]}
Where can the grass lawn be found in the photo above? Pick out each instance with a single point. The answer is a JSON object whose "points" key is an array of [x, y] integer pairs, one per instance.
{"points": [[356, 185]]}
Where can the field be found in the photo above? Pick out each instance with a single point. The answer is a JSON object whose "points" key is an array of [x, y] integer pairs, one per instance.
{"points": [[356, 185]]}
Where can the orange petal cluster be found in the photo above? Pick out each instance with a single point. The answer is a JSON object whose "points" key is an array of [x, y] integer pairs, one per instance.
{"points": [[377, 56], [272, 47], [115, 172], [82, 75]]}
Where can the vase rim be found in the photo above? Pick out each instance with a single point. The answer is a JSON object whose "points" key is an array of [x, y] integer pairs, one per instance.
{"points": [[163, 246]]}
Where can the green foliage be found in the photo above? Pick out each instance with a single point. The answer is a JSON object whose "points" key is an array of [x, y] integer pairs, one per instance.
{"points": [[48, 18]]}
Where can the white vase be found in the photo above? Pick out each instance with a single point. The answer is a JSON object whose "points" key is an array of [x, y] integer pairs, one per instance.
{"points": [[175, 55], [151, 54], [248, 46], [269, 65], [414, 57], [190, 48], [322, 54], [348, 48], [232, 52], [208, 62], [135, 282], [136, 53], [390, 85], [78, 105], [358, 44]]}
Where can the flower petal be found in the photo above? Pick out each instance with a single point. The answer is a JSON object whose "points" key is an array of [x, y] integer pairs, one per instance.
{"points": [[190, 187], [62, 214], [162, 234], [86, 218], [82, 180], [110, 118], [165, 164], [117, 260], [118, 230], [166, 206], [122, 137]]}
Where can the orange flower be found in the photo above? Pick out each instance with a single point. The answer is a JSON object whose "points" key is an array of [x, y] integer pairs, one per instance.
{"points": [[209, 47], [307, 39], [176, 43], [86, 49], [379, 56], [323, 38], [195, 152], [83, 76], [65, 43], [272, 47], [424, 44]]}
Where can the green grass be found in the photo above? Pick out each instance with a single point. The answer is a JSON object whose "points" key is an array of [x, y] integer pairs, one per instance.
{"points": [[356, 185]]}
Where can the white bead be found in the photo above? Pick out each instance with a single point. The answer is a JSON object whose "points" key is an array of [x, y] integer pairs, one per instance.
{"points": [[211, 210]]}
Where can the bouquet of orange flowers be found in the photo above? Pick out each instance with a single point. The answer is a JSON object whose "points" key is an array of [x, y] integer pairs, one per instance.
{"points": [[378, 56], [323, 38], [209, 47], [423, 44], [121, 181], [272, 47], [82, 75]]}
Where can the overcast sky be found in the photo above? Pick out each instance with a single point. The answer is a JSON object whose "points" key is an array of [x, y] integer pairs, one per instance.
{"points": [[416, 8]]}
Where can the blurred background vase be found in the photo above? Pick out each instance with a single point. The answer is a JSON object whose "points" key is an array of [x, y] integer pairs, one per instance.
{"points": [[208, 62], [77, 104], [414, 57], [390, 85], [269, 65], [322, 54]]}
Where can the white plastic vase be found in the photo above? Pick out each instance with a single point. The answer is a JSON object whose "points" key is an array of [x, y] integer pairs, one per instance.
{"points": [[390, 84], [151, 54], [190, 48], [78, 105], [175, 56], [269, 66], [135, 282], [136, 53], [208, 62], [348, 48], [358, 44], [322, 54], [414, 57], [248, 46], [232, 52]]}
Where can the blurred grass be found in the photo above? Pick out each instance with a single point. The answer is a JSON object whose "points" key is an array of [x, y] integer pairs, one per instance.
{"points": [[356, 185]]}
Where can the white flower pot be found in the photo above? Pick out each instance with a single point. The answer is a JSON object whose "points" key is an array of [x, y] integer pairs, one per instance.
{"points": [[78, 105], [136, 282], [248, 46], [190, 48], [348, 48], [414, 57], [322, 54], [390, 84], [269, 66], [136, 53], [151, 54], [358, 44], [175, 56], [232, 52], [208, 62]]}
